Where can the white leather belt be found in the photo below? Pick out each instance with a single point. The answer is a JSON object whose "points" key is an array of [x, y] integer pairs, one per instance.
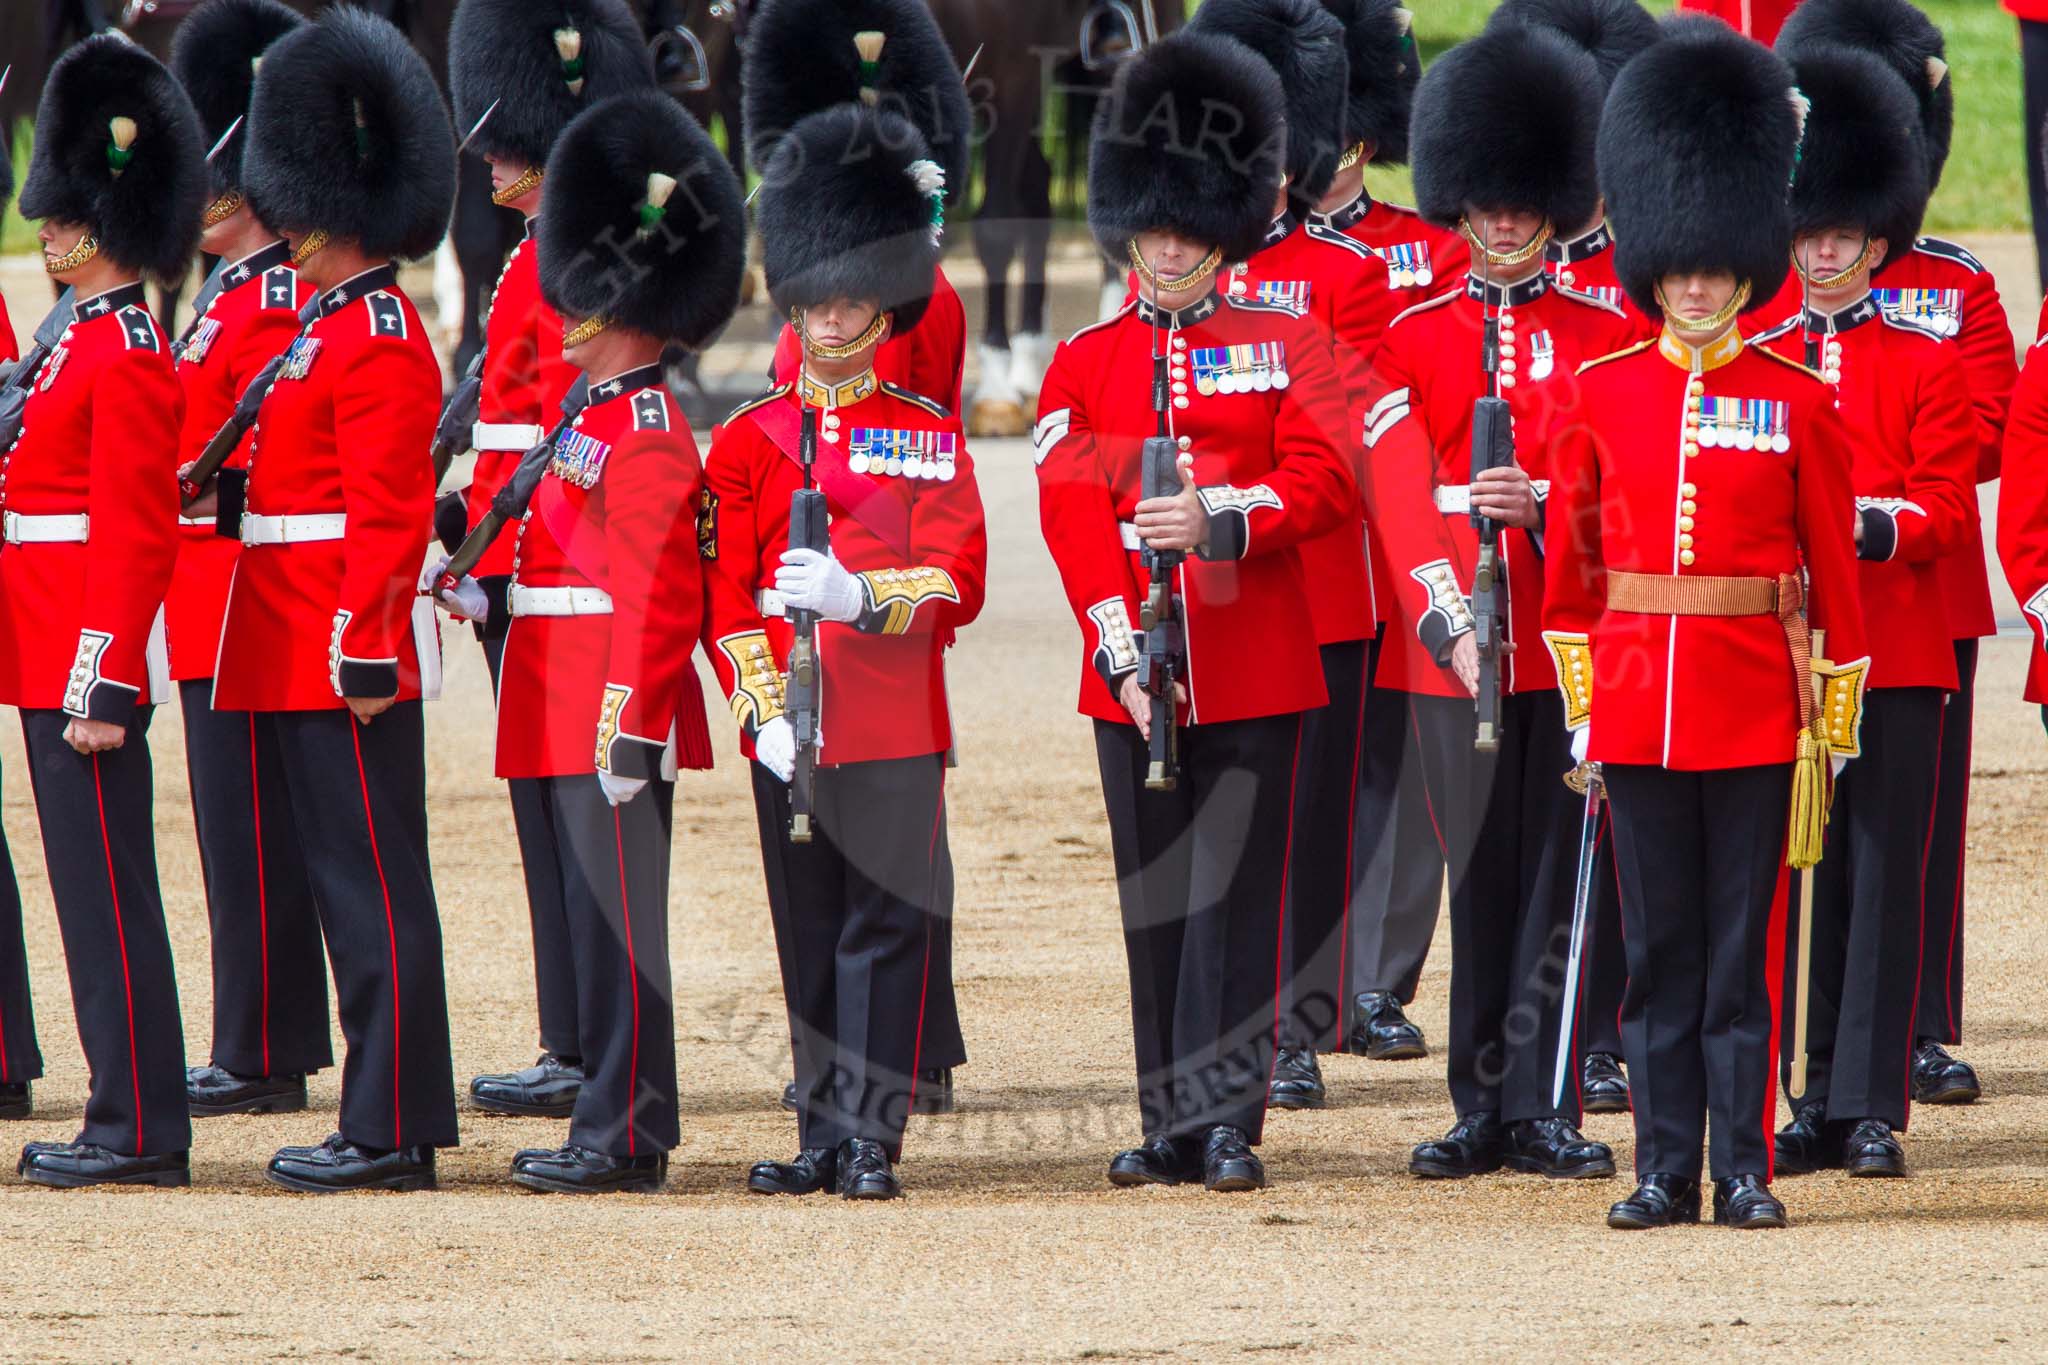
{"points": [[1454, 499], [505, 436], [50, 530], [769, 602], [196, 521], [1129, 531], [291, 530], [526, 601]]}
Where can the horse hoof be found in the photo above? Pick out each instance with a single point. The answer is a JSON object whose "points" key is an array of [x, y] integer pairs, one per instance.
{"points": [[997, 418], [1029, 356]]}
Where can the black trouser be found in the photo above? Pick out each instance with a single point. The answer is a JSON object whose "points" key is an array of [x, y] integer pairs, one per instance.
{"points": [[616, 865], [1866, 914], [269, 969], [1701, 860], [99, 846], [20, 1059], [2034, 68], [1940, 1015], [1511, 835], [944, 1045], [1323, 862], [854, 913], [359, 803], [1200, 872], [1400, 885], [554, 961]]}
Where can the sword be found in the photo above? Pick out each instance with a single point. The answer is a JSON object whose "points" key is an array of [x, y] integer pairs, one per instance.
{"points": [[1802, 995], [1585, 777]]}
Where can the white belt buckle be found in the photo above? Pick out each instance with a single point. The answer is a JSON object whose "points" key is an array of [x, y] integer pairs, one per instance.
{"points": [[1454, 499], [771, 603]]}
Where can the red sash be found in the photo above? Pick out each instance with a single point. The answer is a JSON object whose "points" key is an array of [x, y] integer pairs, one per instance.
{"points": [[865, 500]]}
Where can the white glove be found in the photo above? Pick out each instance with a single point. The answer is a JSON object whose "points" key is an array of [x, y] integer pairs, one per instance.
{"points": [[775, 748], [467, 602], [1582, 740], [810, 581], [1837, 763], [620, 790]]}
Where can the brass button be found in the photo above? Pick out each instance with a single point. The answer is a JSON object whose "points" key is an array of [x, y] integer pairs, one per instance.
{"points": [[1685, 557], [1688, 507], [1691, 490], [1685, 542], [1685, 523]]}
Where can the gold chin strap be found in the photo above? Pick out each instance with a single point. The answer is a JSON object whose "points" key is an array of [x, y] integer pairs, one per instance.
{"points": [[518, 189], [583, 331], [852, 348], [1513, 258], [222, 209], [1186, 282], [315, 242], [1856, 267], [1738, 301], [1353, 154], [87, 248]]}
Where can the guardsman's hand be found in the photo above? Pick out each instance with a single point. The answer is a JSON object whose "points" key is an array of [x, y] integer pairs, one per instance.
{"points": [[1139, 703], [1180, 522], [95, 736], [775, 748], [367, 709], [1505, 494], [620, 790], [208, 503], [1465, 660]]}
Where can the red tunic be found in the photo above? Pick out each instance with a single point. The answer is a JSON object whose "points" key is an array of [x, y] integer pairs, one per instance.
{"points": [[929, 359], [1698, 692], [1912, 460], [608, 687], [2023, 511], [347, 430], [524, 380], [1263, 422], [1758, 19], [252, 319], [1587, 265], [917, 545], [1418, 439], [98, 441]]}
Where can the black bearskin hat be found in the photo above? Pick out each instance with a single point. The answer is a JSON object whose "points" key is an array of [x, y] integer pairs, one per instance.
{"points": [[118, 148], [803, 56], [1861, 163], [215, 56], [1384, 69], [1696, 154], [851, 206], [1904, 39], [348, 135], [1610, 31], [1189, 139], [1304, 44], [542, 62], [1509, 120]]}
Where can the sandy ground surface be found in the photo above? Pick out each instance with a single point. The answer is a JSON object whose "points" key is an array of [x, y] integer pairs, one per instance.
{"points": [[1010, 1244]]}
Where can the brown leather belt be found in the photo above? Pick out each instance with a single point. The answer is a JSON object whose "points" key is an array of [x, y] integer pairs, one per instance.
{"points": [[1650, 594]]}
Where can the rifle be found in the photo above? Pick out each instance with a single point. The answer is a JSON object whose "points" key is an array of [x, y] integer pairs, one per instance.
{"points": [[228, 439], [458, 417], [1164, 634], [511, 501], [1493, 447], [21, 378], [806, 532]]}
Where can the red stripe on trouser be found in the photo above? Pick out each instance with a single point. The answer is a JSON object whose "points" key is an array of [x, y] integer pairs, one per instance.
{"points": [[391, 936], [121, 938], [632, 976], [262, 893], [1774, 985], [924, 983], [1955, 918], [1280, 937], [1350, 845]]}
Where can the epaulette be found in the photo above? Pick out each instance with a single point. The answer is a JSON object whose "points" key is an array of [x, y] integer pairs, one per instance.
{"points": [[650, 410], [1100, 323], [1590, 300], [1616, 355], [1773, 333], [758, 400], [918, 399], [1250, 305], [138, 329], [1790, 363], [1949, 251], [1437, 302], [281, 289], [1329, 236], [1907, 322], [387, 315]]}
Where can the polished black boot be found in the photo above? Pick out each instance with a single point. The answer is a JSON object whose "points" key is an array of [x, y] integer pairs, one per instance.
{"points": [[864, 1171], [76, 1165], [1474, 1146], [813, 1169], [212, 1091], [1161, 1161], [1383, 1032], [1553, 1148], [338, 1164], [1941, 1079], [14, 1101], [1745, 1201], [1603, 1085], [1807, 1144], [1228, 1162], [1660, 1201], [579, 1170], [1297, 1080], [545, 1090], [1872, 1149], [934, 1091], [789, 1097]]}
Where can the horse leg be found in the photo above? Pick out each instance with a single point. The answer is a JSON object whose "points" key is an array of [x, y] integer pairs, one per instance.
{"points": [[1030, 350]]}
